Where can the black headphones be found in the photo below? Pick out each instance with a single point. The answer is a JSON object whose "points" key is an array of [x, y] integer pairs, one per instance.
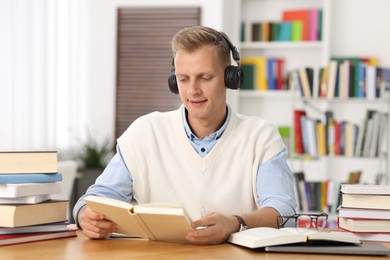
{"points": [[234, 76]]}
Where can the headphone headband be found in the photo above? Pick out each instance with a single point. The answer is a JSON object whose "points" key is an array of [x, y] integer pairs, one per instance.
{"points": [[235, 53], [234, 75]]}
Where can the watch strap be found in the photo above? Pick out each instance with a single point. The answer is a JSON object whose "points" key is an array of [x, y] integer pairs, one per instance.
{"points": [[243, 225]]}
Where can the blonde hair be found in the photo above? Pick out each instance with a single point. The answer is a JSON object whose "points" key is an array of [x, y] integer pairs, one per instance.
{"points": [[192, 38]]}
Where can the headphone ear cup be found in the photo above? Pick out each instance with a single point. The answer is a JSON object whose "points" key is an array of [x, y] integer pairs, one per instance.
{"points": [[234, 77], [172, 83]]}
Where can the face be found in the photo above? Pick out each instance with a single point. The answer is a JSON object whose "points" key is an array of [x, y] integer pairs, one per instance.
{"points": [[200, 78]]}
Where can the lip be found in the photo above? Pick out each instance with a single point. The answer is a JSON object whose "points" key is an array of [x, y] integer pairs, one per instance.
{"points": [[197, 102]]}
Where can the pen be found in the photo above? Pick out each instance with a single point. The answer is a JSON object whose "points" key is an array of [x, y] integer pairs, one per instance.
{"points": [[203, 213]]}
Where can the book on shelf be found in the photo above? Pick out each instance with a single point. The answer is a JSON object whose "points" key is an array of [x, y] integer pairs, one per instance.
{"points": [[271, 73], [8, 190], [314, 24], [280, 84], [260, 71], [12, 239], [266, 31], [249, 82], [299, 189], [364, 225], [329, 132], [355, 73], [294, 83], [284, 31], [296, 31], [30, 178], [306, 76], [303, 17], [331, 85], [18, 215], [285, 133], [33, 199], [265, 236], [28, 162], [370, 82], [163, 222], [263, 73], [383, 80], [299, 146], [49, 227]]}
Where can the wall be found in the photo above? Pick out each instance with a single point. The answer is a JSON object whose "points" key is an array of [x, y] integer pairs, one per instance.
{"points": [[357, 28], [102, 53], [361, 27]]}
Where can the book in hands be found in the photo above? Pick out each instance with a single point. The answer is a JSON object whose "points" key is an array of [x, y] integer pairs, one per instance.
{"points": [[266, 236], [154, 221]]}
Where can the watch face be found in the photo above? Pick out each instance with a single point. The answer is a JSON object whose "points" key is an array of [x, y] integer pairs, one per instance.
{"points": [[243, 227]]}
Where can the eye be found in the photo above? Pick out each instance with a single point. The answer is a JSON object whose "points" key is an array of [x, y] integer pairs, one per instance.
{"points": [[205, 78], [181, 79]]}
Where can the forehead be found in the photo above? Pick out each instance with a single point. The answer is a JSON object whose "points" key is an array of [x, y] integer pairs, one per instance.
{"points": [[203, 57]]}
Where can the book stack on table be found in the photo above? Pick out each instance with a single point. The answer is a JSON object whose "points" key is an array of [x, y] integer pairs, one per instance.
{"points": [[365, 210], [27, 180]]}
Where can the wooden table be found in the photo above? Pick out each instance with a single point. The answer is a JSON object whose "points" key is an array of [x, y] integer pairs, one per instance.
{"points": [[120, 248]]}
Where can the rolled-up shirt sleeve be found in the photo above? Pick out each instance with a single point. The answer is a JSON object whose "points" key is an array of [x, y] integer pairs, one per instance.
{"points": [[275, 185], [115, 182]]}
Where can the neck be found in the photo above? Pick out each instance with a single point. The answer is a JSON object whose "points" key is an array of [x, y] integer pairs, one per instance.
{"points": [[205, 127]]}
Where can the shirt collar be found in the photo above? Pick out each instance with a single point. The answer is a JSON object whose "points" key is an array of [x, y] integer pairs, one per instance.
{"points": [[214, 136]]}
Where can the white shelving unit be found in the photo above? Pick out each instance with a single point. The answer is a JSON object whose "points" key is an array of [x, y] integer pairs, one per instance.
{"points": [[278, 106], [337, 167], [295, 55]]}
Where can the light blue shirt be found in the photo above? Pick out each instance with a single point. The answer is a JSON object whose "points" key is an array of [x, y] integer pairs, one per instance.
{"points": [[274, 178]]}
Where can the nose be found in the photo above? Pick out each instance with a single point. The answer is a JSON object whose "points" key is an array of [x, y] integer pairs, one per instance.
{"points": [[193, 87]]}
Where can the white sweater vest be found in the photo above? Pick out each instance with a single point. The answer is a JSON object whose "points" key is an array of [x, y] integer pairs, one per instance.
{"points": [[166, 168]]}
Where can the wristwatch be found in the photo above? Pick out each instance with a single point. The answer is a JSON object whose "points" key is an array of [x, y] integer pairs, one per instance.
{"points": [[243, 225]]}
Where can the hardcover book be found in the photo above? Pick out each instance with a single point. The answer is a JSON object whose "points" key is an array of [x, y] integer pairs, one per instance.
{"points": [[28, 189], [28, 162], [163, 222], [12, 239], [30, 178], [365, 201], [33, 214], [364, 225], [365, 189]]}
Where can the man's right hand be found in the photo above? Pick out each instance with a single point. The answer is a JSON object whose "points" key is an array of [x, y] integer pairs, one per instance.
{"points": [[94, 225]]}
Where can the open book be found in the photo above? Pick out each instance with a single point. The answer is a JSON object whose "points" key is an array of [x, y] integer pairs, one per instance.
{"points": [[266, 236], [164, 222]]}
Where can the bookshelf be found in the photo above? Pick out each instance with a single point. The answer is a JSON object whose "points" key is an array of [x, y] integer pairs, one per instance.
{"points": [[277, 106], [295, 54]]}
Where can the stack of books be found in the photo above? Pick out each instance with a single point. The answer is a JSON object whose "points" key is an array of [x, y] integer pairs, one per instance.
{"points": [[27, 179], [365, 210]]}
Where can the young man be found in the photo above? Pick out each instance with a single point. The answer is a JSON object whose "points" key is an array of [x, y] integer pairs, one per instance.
{"points": [[203, 155]]}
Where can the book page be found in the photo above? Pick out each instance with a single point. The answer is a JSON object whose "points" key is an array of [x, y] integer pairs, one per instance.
{"points": [[265, 236], [313, 234], [166, 227], [159, 208]]}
